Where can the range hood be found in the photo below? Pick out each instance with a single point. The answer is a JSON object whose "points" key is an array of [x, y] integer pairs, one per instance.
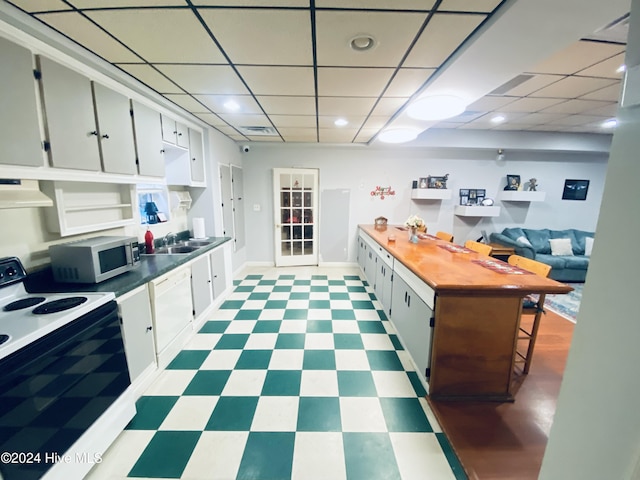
{"points": [[22, 194]]}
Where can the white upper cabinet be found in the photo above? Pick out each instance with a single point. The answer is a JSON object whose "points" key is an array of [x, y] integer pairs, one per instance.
{"points": [[115, 131], [196, 152], [148, 138], [70, 122], [20, 132], [174, 132]]}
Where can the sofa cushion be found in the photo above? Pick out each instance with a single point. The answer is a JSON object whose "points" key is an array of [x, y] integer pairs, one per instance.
{"points": [[576, 262], [555, 261], [581, 236], [561, 246], [575, 246], [513, 233], [539, 239], [588, 246]]}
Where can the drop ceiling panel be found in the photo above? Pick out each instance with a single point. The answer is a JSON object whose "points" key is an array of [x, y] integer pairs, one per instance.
{"points": [[485, 6], [407, 81], [187, 102], [161, 35], [125, 3], [151, 77], [298, 134], [253, 3], [328, 122], [485, 120], [490, 102], [443, 35], [377, 4], [573, 87], [78, 28], [574, 106], [211, 119], [393, 33], [352, 82], [572, 120], [576, 57], [610, 109], [201, 79], [40, 5], [246, 103], [280, 121], [279, 80], [242, 120], [530, 104], [535, 83], [345, 106], [608, 94], [262, 36], [605, 69], [337, 136], [375, 122], [512, 127], [365, 135], [387, 106], [537, 118], [227, 130], [285, 105]]}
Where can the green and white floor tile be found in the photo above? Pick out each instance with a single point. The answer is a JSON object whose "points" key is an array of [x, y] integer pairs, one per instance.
{"points": [[296, 376]]}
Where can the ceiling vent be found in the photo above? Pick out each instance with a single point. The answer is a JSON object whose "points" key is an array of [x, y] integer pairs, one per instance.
{"points": [[617, 31], [511, 84], [262, 131]]}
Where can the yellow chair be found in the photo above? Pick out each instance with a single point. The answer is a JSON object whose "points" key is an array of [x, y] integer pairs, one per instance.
{"points": [[447, 237], [530, 307], [482, 248]]}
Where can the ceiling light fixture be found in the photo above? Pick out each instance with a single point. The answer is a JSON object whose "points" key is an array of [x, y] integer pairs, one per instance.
{"points": [[362, 43], [622, 68], [611, 123], [436, 107], [498, 119], [398, 135], [340, 122], [500, 156], [231, 105]]}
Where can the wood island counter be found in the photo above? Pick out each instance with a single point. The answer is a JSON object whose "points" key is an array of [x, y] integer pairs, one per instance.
{"points": [[473, 301]]}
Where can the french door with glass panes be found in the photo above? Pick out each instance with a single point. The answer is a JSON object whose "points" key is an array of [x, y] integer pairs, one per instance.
{"points": [[296, 214]]}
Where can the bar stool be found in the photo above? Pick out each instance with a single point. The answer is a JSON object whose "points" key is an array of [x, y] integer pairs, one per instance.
{"points": [[531, 307], [447, 237], [482, 248]]}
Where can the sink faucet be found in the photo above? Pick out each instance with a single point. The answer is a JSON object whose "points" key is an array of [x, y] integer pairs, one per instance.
{"points": [[169, 239]]}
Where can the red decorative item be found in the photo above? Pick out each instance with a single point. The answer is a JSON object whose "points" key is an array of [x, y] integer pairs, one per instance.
{"points": [[148, 241]]}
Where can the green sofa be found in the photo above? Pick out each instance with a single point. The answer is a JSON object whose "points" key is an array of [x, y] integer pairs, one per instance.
{"points": [[569, 259]]}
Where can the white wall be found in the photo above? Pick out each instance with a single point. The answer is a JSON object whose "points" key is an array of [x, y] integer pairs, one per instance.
{"points": [[361, 169]]}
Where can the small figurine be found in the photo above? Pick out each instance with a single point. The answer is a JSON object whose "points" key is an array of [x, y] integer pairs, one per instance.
{"points": [[533, 183]]}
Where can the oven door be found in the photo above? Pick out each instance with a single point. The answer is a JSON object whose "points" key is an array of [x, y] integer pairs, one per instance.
{"points": [[52, 390]]}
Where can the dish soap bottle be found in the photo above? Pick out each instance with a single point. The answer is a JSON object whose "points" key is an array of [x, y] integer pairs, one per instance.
{"points": [[148, 241]]}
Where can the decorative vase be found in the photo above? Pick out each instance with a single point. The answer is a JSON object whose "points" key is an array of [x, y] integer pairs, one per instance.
{"points": [[413, 234]]}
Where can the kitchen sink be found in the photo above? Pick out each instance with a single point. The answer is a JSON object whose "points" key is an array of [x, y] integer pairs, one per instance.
{"points": [[176, 250], [196, 243]]}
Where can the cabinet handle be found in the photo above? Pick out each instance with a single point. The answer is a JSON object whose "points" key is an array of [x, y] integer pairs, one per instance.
{"points": [[193, 159], [149, 328], [409, 302], [105, 136], [405, 296], [162, 151], [95, 132]]}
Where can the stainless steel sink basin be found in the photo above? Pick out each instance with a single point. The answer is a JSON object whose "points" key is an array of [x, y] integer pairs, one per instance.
{"points": [[176, 250], [196, 243]]}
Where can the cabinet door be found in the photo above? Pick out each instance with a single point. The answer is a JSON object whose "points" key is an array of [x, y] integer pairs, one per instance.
{"points": [[115, 130], [20, 132], [201, 285], [379, 281], [182, 135], [370, 268], [387, 287], [168, 129], [148, 140], [362, 255], [135, 314], [196, 153], [218, 272], [70, 120]]}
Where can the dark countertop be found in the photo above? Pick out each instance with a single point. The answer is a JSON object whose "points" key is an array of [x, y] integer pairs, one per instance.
{"points": [[150, 267]]}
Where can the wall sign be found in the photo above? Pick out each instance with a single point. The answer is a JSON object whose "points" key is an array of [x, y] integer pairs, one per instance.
{"points": [[382, 192]]}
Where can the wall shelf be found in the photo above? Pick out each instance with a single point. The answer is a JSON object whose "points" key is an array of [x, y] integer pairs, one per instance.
{"points": [[476, 211], [430, 194], [521, 196]]}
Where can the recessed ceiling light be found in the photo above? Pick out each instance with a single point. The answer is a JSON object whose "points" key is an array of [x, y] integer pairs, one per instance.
{"points": [[362, 43], [340, 122], [611, 123], [622, 68], [231, 105], [436, 107], [398, 135], [498, 119]]}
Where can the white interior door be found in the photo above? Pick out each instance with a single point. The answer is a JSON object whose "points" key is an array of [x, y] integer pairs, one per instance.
{"points": [[296, 212]]}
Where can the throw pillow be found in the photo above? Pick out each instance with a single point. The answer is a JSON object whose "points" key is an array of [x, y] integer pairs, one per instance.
{"points": [[588, 245], [524, 240], [561, 246]]}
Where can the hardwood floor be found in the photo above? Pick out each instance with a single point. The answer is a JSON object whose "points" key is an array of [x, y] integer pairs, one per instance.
{"points": [[507, 440]]}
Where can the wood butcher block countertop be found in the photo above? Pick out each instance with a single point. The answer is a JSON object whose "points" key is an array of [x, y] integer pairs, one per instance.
{"points": [[450, 272]]}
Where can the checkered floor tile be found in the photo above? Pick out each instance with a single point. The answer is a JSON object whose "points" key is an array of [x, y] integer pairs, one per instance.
{"points": [[293, 377]]}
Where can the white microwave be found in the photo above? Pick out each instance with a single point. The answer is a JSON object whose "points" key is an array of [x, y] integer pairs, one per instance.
{"points": [[93, 260]]}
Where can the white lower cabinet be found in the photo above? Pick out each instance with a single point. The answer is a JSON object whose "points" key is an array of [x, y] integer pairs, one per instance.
{"points": [[137, 330], [172, 310], [411, 317], [201, 285], [218, 271]]}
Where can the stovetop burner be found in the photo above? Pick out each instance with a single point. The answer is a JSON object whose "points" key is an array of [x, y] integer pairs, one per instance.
{"points": [[59, 305], [23, 303], [3, 338]]}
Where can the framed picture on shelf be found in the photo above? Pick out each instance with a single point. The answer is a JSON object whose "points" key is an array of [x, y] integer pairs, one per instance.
{"points": [[464, 196], [437, 182], [575, 189], [513, 182], [423, 183]]}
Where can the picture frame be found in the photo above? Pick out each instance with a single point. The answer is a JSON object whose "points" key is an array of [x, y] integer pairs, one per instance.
{"points": [[423, 182], [472, 196], [513, 182], [575, 189], [437, 182]]}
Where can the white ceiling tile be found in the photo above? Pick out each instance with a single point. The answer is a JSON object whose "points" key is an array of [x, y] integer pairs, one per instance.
{"points": [[161, 35], [485, 6], [187, 102], [286, 105], [240, 120], [299, 134], [81, 30], [262, 36], [151, 77], [388, 106], [576, 57], [352, 82], [607, 94], [605, 69], [246, 103], [366, 134], [264, 138], [577, 120], [345, 105], [530, 104], [609, 109], [337, 136], [375, 122], [473, 126], [211, 119], [393, 33], [534, 84], [489, 103], [537, 118], [355, 122], [201, 79], [253, 3], [574, 106], [377, 4], [306, 121], [443, 35], [40, 5], [511, 127], [485, 120], [573, 87], [279, 80], [407, 81], [227, 130], [125, 3]]}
